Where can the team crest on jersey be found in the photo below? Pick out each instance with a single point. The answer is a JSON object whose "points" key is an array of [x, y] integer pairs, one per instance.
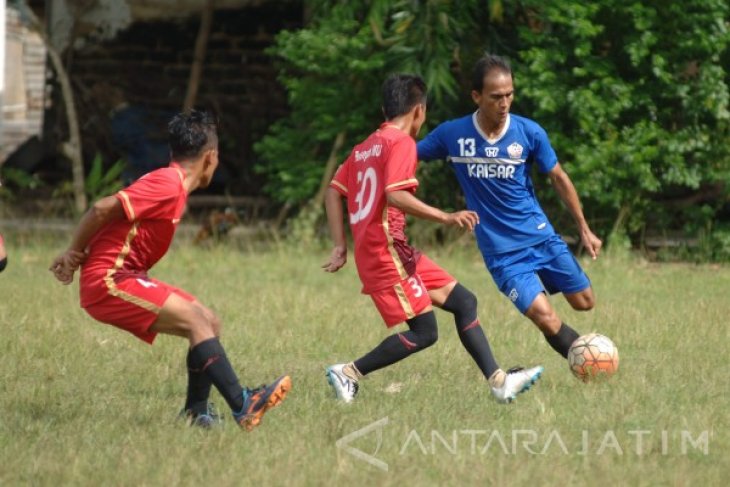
{"points": [[491, 151], [515, 150]]}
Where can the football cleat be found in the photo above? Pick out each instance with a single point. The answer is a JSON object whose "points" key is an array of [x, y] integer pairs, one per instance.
{"points": [[206, 420], [516, 381], [257, 401], [345, 387]]}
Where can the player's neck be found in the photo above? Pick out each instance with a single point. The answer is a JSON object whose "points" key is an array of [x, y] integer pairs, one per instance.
{"points": [[491, 129], [192, 177], [404, 124]]}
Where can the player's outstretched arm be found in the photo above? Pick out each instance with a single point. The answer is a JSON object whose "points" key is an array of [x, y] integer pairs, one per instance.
{"points": [[104, 211], [566, 190], [405, 201], [335, 216]]}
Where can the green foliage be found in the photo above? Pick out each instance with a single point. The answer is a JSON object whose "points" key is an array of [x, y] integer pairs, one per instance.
{"points": [[634, 95], [17, 178], [333, 70], [635, 99], [100, 183]]}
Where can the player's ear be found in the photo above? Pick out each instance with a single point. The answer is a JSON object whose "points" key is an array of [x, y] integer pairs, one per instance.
{"points": [[208, 159], [476, 96]]}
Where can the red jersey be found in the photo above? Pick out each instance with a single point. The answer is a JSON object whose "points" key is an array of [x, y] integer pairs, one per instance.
{"points": [[386, 161], [153, 206]]}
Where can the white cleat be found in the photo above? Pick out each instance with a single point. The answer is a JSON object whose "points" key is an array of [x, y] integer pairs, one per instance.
{"points": [[345, 387], [517, 380]]}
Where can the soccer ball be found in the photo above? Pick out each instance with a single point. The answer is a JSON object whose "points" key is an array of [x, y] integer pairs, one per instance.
{"points": [[593, 356]]}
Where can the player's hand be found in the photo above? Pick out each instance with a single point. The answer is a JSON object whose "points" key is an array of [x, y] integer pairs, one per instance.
{"points": [[338, 258], [591, 243], [465, 218], [64, 266]]}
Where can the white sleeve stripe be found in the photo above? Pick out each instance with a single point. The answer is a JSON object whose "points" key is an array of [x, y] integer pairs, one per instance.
{"points": [[485, 160]]}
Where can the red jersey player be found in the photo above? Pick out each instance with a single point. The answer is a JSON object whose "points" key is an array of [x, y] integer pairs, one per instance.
{"points": [[119, 240], [378, 180]]}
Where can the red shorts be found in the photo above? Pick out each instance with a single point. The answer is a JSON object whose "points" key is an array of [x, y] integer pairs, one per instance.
{"points": [[409, 297], [133, 304]]}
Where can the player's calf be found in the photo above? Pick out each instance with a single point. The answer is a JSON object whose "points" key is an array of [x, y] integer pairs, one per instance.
{"points": [[422, 333], [562, 340], [463, 304]]}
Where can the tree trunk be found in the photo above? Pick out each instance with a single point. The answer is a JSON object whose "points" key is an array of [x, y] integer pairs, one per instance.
{"points": [[329, 170], [201, 44], [72, 147]]}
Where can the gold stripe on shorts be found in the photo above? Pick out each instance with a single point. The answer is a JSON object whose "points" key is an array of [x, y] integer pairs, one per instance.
{"points": [[391, 248], [405, 304]]}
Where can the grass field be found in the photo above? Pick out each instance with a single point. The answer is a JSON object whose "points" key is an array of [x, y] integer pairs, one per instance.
{"points": [[85, 404]]}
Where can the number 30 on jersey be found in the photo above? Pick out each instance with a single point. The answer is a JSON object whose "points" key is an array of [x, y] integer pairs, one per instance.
{"points": [[367, 182]]}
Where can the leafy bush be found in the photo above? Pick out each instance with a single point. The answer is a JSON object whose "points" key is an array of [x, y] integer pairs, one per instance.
{"points": [[634, 96]]}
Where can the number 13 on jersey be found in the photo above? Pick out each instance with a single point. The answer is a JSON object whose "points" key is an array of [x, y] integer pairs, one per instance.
{"points": [[467, 147]]}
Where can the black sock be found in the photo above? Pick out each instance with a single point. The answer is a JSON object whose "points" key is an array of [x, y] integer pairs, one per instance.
{"points": [[463, 304], [210, 358], [3, 263], [563, 339], [422, 334], [199, 385]]}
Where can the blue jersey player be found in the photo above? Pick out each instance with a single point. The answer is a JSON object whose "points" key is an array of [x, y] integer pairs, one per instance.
{"points": [[492, 153]]}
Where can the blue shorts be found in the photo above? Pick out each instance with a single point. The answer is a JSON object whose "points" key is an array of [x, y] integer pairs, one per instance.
{"points": [[546, 267]]}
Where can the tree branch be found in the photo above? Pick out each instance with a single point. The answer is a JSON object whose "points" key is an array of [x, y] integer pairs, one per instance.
{"points": [[201, 43]]}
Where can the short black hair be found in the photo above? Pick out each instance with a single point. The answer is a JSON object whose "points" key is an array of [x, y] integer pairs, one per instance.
{"points": [[401, 92], [484, 65], [190, 133]]}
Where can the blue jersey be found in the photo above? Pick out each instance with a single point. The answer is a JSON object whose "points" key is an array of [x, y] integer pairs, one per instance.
{"points": [[495, 178]]}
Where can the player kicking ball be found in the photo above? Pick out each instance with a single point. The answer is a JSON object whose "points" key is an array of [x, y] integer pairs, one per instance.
{"points": [[377, 181], [492, 153], [119, 240]]}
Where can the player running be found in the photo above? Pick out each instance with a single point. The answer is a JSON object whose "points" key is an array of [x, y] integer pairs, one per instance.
{"points": [[378, 180], [119, 240], [492, 153]]}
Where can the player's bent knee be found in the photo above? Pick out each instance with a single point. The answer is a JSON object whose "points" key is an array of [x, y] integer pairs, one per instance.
{"points": [[429, 338], [425, 329], [582, 301], [212, 320], [460, 300], [469, 300], [216, 324], [196, 322]]}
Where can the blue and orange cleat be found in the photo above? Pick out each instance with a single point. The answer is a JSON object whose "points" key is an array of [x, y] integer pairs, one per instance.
{"points": [[257, 401]]}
